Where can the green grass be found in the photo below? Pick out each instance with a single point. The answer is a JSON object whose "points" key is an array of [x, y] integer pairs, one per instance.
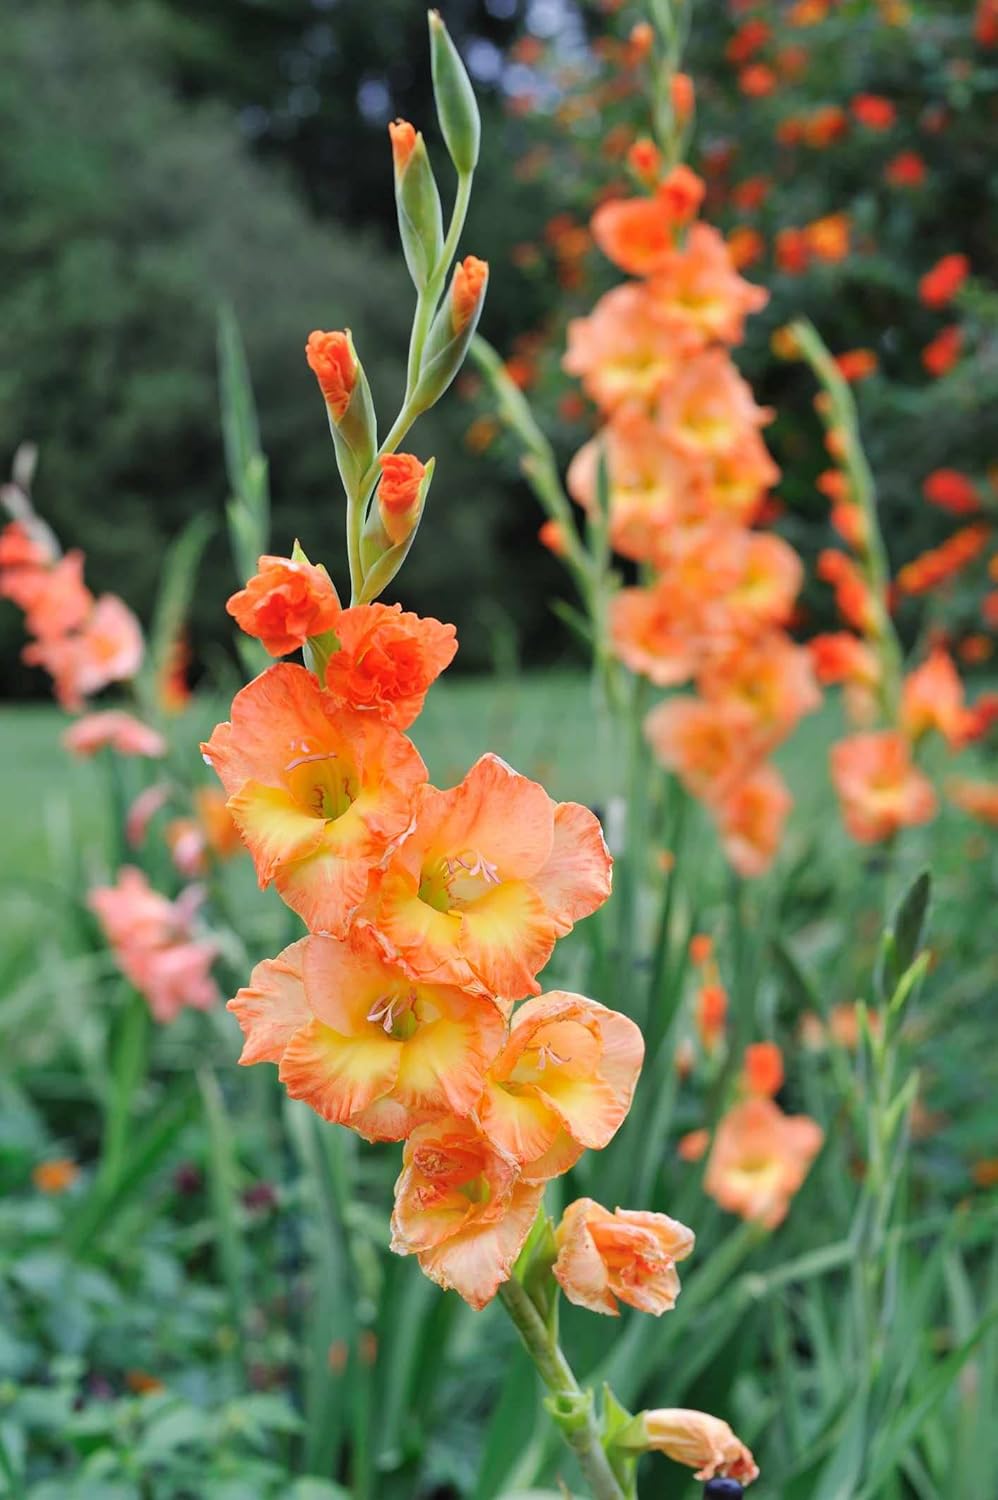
{"points": [[544, 724]]}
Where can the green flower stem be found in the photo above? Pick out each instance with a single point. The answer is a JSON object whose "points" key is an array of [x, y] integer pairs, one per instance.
{"points": [[873, 558], [426, 306], [580, 1431]]}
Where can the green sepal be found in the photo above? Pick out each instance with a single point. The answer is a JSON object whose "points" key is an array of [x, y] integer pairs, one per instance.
{"points": [[444, 353], [457, 108], [533, 1267], [355, 435], [419, 214]]}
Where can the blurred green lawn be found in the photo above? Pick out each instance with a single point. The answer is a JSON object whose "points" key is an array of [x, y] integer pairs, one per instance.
{"points": [[544, 724]]}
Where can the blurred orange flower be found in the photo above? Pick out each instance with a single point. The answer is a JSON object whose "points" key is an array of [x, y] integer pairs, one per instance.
{"points": [[759, 1160], [880, 789]]}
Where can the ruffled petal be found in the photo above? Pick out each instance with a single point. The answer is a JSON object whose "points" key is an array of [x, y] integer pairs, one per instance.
{"points": [[272, 1007], [476, 1261], [576, 878], [336, 1075]]}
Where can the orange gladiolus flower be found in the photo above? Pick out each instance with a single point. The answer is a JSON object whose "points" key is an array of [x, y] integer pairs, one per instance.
{"points": [[701, 947], [853, 598], [759, 1160], [711, 1014], [940, 285], [937, 566], [762, 1070], [624, 351], [387, 660], [952, 491], [121, 731], [942, 353], [978, 798], [462, 1209], [825, 126], [745, 246], [740, 478], [701, 292], [562, 1084], [626, 1256], [645, 160], [55, 599], [334, 364], [701, 1442], [751, 819], [650, 633], [933, 699], [361, 1042], [758, 81], [768, 581], [635, 233], [154, 943], [492, 874], [879, 788], [107, 649], [792, 251], [682, 95], [829, 238], [467, 290], [768, 682], [681, 193], [55, 1176], [708, 408], [747, 40], [693, 1146], [704, 743], [651, 487], [873, 111], [907, 169], [856, 364], [20, 548], [320, 793], [284, 603]]}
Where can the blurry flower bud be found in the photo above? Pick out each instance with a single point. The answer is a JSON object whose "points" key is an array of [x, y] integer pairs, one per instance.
{"points": [[451, 331], [333, 360], [457, 109], [417, 201], [682, 96]]}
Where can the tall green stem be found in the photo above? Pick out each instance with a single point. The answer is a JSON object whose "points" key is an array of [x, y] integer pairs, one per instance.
{"points": [[579, 1428]]}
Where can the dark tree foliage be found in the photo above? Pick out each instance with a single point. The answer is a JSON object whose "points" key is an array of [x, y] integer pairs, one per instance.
{"points": [[129, 215]]}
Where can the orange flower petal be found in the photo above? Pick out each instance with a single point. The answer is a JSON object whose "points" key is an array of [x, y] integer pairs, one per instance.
{"points": [[272, 1007]]}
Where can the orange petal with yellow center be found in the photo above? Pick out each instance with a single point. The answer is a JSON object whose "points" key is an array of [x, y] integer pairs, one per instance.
{"points": [[443, 1063], [272, 1007], [521, 1124], [273, 826], [507, 937], [427, 940], [337, 1075], [576, 877], [476, 1261]]}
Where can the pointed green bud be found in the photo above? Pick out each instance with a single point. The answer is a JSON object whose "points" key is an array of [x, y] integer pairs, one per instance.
{"points": [[457, 109]]}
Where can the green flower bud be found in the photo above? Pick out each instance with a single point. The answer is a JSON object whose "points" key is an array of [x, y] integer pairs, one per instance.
{"points": [[457, 109]]}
